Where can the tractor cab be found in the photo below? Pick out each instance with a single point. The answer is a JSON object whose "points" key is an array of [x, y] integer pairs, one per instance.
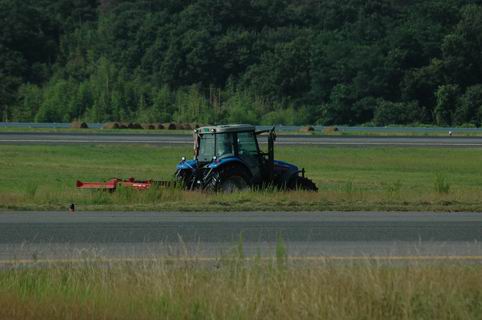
{"points": [[228, 157], [224, 144], [222, 141]]}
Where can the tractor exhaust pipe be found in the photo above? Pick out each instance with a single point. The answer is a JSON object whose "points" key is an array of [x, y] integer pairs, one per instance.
{"points": [[271, 140]]}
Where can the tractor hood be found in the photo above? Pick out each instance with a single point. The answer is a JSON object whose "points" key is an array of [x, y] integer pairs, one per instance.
{"points": [[279, 166], [186, 164], [284, 166], [223, 161]]}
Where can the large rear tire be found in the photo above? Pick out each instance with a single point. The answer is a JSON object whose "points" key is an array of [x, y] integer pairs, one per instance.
{"points": [[302, 183], [229, 179]]}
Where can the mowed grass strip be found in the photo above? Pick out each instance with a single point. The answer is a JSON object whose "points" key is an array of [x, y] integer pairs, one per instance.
{"points": [[349, 178], [238, 289]]}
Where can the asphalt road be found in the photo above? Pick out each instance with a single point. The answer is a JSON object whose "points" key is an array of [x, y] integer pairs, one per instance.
{"points": [[168, 139], [59, 235]]}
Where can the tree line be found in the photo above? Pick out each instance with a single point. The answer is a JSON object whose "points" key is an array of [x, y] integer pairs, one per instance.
{"points": [[350, 62]]}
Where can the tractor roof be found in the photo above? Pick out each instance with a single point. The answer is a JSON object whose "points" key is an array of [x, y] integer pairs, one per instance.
{"points": [[227, 128]]}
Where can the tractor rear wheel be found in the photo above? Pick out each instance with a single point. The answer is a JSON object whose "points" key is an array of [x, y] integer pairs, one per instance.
{"points": [[230, 179], [233, 184], [302, 183]]}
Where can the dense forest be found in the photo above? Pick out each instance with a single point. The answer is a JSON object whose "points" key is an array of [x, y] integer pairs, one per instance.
{"points": [[374, 62]]}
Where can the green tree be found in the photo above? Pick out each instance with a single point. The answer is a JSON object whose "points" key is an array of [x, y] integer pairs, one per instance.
{"points": [[29, 102], [447, 100], [56, 102], [286, 116], [81, 100], [164, 104], [421, 85], [470, 107], [102, 83], [192, 107], [8, 90], [388, 112], [241, 108], [24, 44], [340, 106], [462, 49], [283, 72], [271, 61]]}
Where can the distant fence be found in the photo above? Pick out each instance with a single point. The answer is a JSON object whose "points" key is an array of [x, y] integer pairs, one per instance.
{"points": [[26, 125]]}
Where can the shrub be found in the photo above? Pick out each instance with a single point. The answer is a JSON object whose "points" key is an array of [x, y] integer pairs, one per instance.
{"points": [[286, 116], [388, 112]]}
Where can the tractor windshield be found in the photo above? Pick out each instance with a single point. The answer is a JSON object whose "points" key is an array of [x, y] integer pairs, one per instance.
{"points": [[206, 147], [218, 145]]}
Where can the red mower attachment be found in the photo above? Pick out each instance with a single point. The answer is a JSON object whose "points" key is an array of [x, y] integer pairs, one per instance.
{"points": [[112, 184]]}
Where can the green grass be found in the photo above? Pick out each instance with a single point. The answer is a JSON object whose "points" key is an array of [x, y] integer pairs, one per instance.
{"points": [[349, 178], [237, 288]]}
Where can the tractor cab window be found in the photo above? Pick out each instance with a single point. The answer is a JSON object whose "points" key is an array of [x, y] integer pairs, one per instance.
{"points": [[224, 145], [247, 144], [218, 145], [206, 147]]}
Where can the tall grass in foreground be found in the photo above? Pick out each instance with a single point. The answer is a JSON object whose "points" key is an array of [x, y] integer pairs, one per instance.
{"points": [[240, 289]]}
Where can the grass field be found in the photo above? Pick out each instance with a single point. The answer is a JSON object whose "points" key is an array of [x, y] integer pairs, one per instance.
{"points": [[234, 288], [43, 177]]}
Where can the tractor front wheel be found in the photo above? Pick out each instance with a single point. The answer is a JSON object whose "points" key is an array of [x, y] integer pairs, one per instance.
{"points": [[302, 183], [183, 179]]}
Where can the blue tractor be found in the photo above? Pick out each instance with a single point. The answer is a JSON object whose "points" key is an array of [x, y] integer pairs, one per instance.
{"points": [[228, 158]]}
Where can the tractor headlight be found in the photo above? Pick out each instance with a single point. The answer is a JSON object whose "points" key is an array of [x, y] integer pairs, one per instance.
{"points": [[183, 159], [215, 158]]}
